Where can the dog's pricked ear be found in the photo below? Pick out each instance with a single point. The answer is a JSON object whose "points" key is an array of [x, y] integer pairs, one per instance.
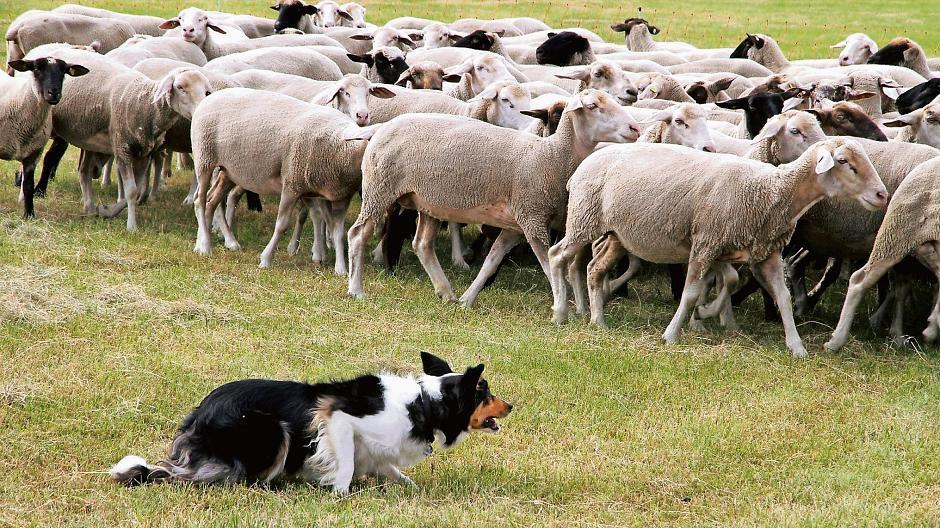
{"points": [[471, 377], [433, 365]]}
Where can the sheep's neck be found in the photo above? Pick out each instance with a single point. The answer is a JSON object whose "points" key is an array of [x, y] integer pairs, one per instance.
{"points": [[499, 49], [572, 142], [799, 184], [773, 57], [640, 40], [674, 92]]}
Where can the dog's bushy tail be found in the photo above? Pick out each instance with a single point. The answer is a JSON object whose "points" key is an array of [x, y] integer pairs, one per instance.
{"points": [[133, 470]]}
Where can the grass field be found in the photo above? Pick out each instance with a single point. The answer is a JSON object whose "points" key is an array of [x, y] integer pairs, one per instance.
{"points": [[107, 339]]}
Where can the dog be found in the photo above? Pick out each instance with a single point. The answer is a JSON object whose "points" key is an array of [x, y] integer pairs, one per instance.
{"points": [[257, 430]]}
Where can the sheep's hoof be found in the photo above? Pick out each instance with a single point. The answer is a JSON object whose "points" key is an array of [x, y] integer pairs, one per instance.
{"points": [[340, 272], [462, 264], [832, 345], [696, 325], [293, 248], [901, 341], [202, 250], [189, 200], [466, 302], [356, 295], [799, 352], [234, 246], [670, 339], [600, 323]]}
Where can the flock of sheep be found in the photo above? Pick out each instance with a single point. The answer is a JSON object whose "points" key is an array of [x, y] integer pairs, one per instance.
{"points": [[593, 153]]}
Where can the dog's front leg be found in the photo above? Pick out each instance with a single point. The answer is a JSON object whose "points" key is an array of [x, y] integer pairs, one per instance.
{"points": [[393, 474], [342, 436]]}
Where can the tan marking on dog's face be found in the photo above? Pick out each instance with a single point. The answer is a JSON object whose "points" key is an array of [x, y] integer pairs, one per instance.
{"points": [[487, 412]]}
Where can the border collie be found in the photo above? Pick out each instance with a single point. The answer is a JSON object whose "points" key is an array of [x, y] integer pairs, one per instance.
{"points": [[254, 431]]}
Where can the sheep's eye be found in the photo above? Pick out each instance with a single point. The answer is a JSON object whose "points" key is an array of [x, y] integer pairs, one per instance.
{"points": [[794, 131], [930, 119], [505, 100], [680, 122], [208, 93], [598, 75], [591, 106], [842, 161]]}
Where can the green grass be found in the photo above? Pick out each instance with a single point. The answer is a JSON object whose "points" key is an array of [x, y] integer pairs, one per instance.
{"points": [[108, 338]]}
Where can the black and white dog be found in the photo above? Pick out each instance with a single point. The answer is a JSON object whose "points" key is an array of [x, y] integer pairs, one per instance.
{"points": [[328, 433]]}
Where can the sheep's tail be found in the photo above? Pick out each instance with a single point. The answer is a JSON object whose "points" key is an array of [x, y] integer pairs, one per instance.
{"points": [[133, 471]]}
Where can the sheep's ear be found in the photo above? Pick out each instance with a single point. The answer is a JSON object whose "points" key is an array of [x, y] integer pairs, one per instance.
{"points": [[76, 70], [821, 115], [21, 65], [891, 92], [215, 28], [490, 92], [165, 89], [406, 41], [905, 120], [276, 7], [840, 44], [458, 70], [770, 129], [344, 15], [663, 115], [454, 37], [872, 46], [405, 77], [170, 24], [792, 103], [574, 104], [733, 104], [452, 77], [354, 133], [361, 37], [856, 96], [577, 75], [433, 365], [366, 59], [95, 46], [499, 33], [619, 28], [326, 96], [653, 29], [416, 35], [721, 84], [381, 92], [824, 161], [539, 113]]}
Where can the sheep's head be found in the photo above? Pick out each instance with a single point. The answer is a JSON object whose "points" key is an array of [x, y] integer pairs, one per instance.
{"points": [[350, 95], [918, 96], [564, 49], [750, 46], [438, 36], [607, 77], [898, 52], [483, 70], [391, 37], [508, 101], [49, 74], [843, 167], [924, 123], [425, 75], [707, 91], [688, 126], [597, 117], [357, 12], [388, 63], [182, 90], [759, 107], [661, 87], [194, 24], [856, 49], [627, 26], [847, 119], [478, 40], [329, 14], [290, 13], [549, 115], [793, 132]]}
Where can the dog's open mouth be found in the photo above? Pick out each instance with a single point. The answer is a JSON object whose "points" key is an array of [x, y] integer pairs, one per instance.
{"points": [[490, 425]]}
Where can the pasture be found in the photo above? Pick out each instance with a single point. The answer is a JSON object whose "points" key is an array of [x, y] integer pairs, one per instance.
{"points": [[107, 338]]}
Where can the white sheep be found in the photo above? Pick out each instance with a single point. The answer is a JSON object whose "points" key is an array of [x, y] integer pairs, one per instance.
{"points": [[684, 124], [856, 49], [502, 178], [474, 75], [158, 48], [920, 126], [911, 227], [357, 13], [142, 24], [275, 158], [296, 60], [723, 209]]}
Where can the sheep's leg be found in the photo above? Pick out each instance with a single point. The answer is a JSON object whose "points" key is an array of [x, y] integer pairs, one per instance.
{"points": [[191, 196], [50, 163], [598, 270], [337, 219], [676, 280], [830, 276], [284, 209], [796, 265], [106, 174], [541, 253], [578, 280], [690, 294], [423, 246], [559, 257], [231, 204], [877, 319], [293, 247], [319, 215], [203, 236], [770, 273], [860, 281], [695, 324], [897, 322], [219, 192], [357, 236], [729, 281], [633, 268], [89, 165], [457, 245], [144, 182], [27, 188], [501, 247], [929, 255]]}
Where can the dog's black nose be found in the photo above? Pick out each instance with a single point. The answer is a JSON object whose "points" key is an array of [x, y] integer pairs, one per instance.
{"points": [[509, 406]]}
